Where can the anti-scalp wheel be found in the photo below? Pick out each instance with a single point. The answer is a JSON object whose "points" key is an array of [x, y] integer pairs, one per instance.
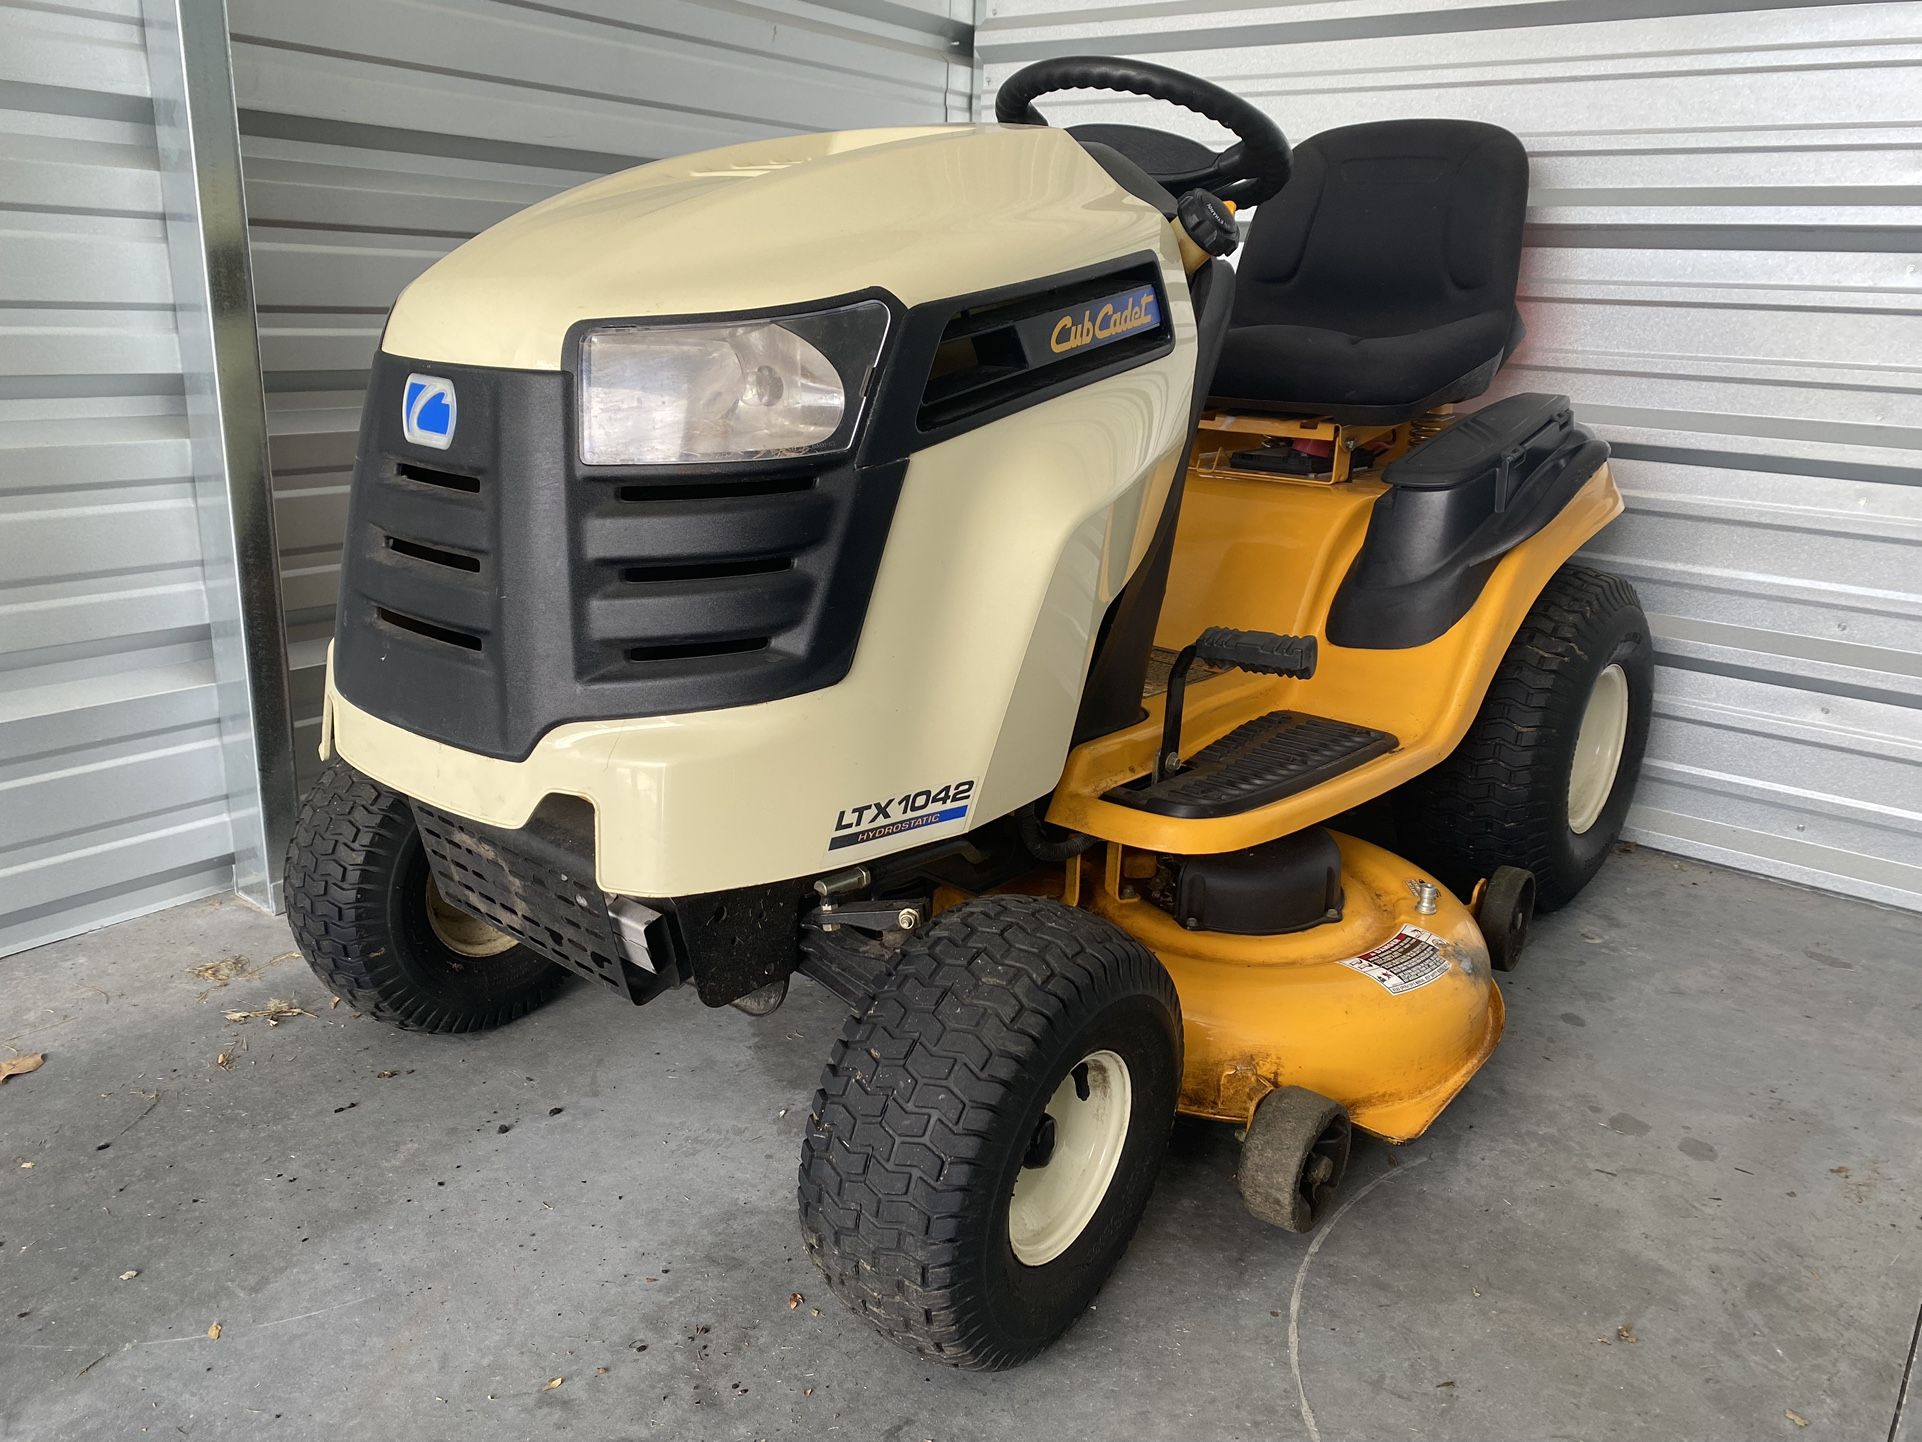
{"points": [[1294, 1156]]}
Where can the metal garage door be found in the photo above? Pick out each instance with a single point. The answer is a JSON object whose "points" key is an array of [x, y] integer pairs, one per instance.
{"points": [[113, 799], [378, 134], [1724, 273]]}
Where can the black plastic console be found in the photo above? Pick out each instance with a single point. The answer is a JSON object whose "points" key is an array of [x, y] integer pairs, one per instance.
{"points": [[1456, 504]]}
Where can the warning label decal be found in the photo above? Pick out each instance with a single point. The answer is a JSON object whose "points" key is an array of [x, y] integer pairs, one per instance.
{"points": [[1409, 959]]}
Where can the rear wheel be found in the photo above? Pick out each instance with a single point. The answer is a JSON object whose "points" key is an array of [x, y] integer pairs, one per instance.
{"points": [[987, 1132], [369, 919], [1544, 777]]}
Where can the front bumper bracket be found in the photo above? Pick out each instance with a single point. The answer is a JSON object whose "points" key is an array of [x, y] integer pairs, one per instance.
{"points": [[537, 885]]}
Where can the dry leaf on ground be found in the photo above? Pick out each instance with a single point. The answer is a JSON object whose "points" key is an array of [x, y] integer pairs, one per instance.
{"points": [[275, 1011], [552, 1384], [1627, 1332], [1794, 1416], [20, 1065], [130, 1274], [213, 1332], [228, 968], [794, 1299]]}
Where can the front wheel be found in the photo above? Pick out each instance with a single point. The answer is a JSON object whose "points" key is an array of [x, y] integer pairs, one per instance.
{"points": [[1544, 777], [369, 919], [987, 1132]]}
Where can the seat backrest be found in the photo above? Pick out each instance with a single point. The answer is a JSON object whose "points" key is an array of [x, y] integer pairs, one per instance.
{"points": [[1387, 228]]}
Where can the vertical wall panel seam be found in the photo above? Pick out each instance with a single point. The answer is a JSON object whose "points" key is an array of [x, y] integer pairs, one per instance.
{"points": [[198, 136]]}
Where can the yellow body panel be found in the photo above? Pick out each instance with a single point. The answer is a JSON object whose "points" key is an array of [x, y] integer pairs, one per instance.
{"points": [[1266, 553], [1261, 1012]]}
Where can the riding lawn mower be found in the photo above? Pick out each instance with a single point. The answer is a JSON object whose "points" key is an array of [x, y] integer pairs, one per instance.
{"points": [[917, 560]]}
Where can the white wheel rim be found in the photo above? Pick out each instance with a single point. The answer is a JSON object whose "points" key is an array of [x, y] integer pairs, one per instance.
{"points": [[468, 935], [1054, 1201], [1598, 748]]}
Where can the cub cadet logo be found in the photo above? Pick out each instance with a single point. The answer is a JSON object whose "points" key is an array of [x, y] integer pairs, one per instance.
{"points": [[428, 410], [1117, 316]]}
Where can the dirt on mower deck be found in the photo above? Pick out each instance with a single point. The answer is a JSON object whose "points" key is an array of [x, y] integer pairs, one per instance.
{"points": [[1682, 1200]]}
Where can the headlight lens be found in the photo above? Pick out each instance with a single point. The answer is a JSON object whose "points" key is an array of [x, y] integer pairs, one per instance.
{"points": [[727, 391]]}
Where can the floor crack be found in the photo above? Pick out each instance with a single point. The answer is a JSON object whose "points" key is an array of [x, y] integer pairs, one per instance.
{"points": [[1908, 1376]]}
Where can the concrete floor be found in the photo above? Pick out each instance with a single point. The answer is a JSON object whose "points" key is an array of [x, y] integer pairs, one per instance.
{"points": [[1682, 1201]]}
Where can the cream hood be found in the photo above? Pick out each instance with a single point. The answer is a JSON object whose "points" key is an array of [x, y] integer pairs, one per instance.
{"points": [[921, 213]]}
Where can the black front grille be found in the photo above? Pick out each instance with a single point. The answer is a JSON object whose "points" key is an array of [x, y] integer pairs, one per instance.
{"points": [[499, 588]]}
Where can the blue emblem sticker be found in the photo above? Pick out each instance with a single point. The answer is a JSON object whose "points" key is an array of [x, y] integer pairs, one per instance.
{"points": [[427, 412]]}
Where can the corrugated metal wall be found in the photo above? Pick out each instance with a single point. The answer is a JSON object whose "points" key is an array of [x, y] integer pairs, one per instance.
{"points": [[1724, 272], [378, 134], [112, 795]]}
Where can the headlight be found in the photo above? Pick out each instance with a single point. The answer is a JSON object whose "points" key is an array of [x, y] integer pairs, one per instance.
{"points": [[658, 395]]}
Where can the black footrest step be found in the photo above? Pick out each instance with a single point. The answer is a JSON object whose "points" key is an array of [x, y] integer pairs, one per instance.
{"points": [[1258, 762]]}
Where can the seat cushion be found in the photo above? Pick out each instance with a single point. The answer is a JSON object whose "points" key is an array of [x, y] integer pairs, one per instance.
{"points": [[1382, 278], [1305, 370]]}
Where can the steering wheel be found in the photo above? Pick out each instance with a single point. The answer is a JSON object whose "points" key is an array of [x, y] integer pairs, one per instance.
{"points": [[1248, 172]]}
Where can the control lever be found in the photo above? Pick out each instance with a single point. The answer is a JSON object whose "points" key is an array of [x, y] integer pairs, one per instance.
{"points": [[1265, 653], [1259, 651]]}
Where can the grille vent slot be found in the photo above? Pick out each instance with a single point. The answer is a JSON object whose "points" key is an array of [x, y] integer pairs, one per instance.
{"points": [[687, 650], [446, 480], [447, 635], [433, 555], [714, 570], [727, 490]]}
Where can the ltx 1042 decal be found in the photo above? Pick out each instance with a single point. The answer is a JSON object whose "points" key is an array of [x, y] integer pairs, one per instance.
{"points": [[892, 815]]}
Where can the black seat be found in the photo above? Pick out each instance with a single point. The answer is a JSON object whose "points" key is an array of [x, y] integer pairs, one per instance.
{"points": [[1381, 281]]}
